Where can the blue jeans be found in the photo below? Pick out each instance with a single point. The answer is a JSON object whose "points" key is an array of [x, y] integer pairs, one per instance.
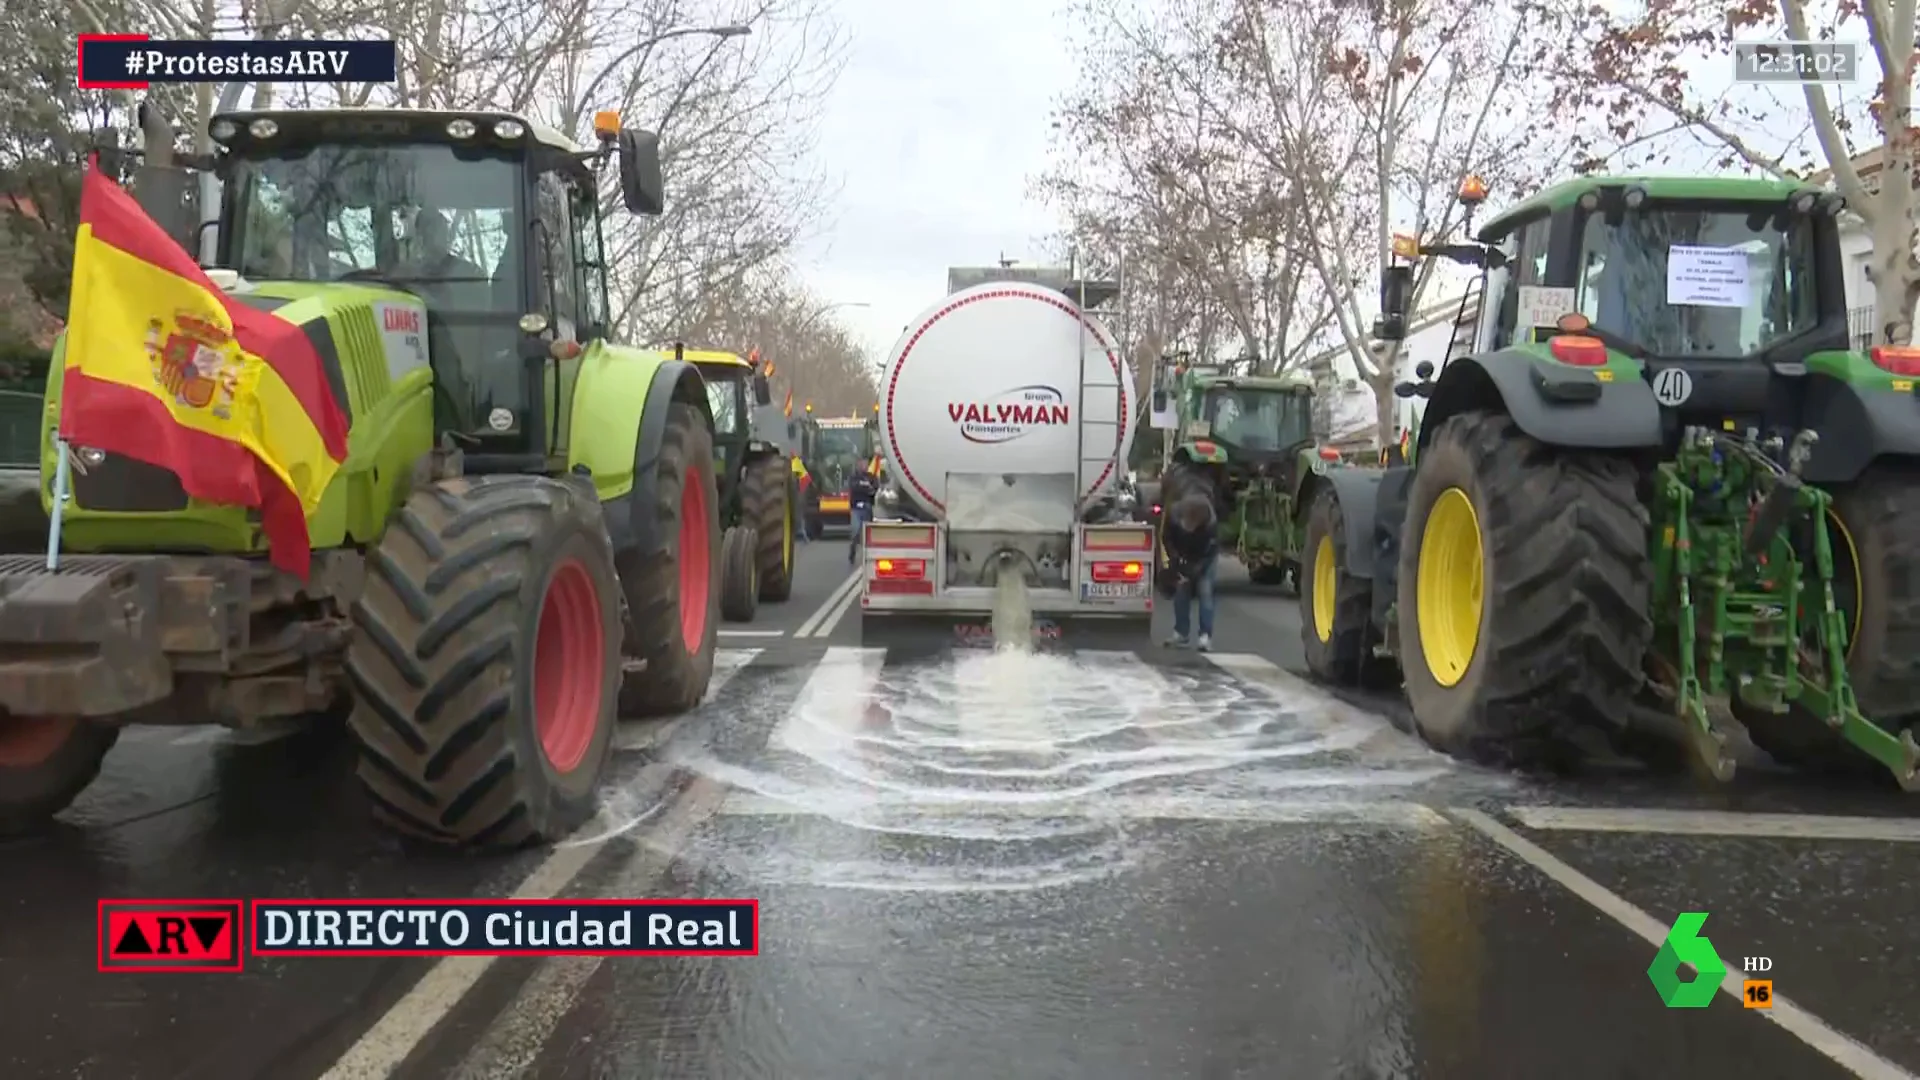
{"points": [[1202, 583], [857, 517]]}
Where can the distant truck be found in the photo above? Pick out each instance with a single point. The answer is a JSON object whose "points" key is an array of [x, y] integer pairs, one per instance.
{"points": [[1005, 422]]}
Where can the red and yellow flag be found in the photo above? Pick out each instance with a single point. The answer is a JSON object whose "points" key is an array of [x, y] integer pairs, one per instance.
{"points": [[789, 404], [163, 368]]}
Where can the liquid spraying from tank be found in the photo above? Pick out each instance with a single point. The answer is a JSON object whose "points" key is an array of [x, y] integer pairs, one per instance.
{"points": [[1012, 609]]}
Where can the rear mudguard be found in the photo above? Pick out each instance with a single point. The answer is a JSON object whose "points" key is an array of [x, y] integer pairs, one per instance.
{"points": [[619, 420], [1558, 404], [1357, 488], [1857, 424]]}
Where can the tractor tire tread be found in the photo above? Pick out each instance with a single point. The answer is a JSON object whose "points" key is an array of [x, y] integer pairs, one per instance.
{"points": [[671, 678], [1346, 658], [766, 504], [739, 584]]}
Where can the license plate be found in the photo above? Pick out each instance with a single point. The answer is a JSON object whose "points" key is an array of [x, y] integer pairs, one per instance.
{"points": [[1111, 591]]}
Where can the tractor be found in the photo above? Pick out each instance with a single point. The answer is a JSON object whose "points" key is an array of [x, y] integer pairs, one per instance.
{"points": [[833, 450], [759, 498], [517, 551], [1663, 493], [1246, 442]]}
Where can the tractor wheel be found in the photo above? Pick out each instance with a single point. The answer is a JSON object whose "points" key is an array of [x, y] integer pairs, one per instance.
{"points": [[1524, 592], [673, 597], [739, 575], [485, 662], [1335, 604], [1876, 585], [767, 504], [45, 764]]}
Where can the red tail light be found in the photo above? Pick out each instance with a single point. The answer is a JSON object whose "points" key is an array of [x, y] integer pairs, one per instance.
{"points": [[1328, 453], [900, 569], [1156, 508], [1897, 359], [1118, 573], [1578, 350]]}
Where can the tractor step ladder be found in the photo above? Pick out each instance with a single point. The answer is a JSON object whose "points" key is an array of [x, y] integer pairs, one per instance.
{"points": [[1466, 324]]}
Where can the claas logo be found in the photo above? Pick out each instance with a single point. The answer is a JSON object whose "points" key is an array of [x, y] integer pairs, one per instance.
{"points": [[169, 935]]}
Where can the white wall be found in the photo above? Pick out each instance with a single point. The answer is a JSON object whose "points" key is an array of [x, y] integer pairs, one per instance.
{"points": [[1352, 407]]}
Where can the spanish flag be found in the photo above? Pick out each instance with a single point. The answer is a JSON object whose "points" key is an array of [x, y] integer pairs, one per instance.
{"points": [[162, 368]]}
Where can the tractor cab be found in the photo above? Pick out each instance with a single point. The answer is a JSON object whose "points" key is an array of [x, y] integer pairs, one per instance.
{"points": [[736, 392], [1719, 293], [467, 243]]}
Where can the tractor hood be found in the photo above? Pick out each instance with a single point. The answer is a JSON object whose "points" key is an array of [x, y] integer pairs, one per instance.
{"points": [[366, 335]]}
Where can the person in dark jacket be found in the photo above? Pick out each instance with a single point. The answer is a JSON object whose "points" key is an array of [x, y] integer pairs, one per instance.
{"points": [[1190, 539], [860, 492]]}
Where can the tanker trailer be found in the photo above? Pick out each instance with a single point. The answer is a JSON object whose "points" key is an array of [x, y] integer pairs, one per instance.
{"points": [[1005, 421]]}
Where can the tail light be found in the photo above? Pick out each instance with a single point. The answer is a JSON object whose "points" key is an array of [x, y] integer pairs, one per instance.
{"points": [[1897, 359], [1156, 508], [1118, 573], [1578, 350], [900, 569], [1328, 453]]}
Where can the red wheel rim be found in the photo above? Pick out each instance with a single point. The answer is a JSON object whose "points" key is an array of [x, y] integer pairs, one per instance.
{"points": [[696, 562], [569, 661], [30, 740]]}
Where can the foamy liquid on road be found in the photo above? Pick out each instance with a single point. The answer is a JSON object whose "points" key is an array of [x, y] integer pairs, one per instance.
{"points": [[1016, 770]]}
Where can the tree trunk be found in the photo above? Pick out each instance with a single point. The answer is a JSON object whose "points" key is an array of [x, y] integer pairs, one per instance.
{"points": [[1385, 410]]}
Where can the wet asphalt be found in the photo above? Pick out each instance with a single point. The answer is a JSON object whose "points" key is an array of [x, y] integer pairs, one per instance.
{"points": [[1005, 867]]}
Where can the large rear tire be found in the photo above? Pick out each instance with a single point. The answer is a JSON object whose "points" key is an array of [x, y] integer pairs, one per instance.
{"points": [[673, 596], [739, 578], [768, 504], [1872, 532], [1336, 606], [486, 662], [45, 764], [1524, 592]]}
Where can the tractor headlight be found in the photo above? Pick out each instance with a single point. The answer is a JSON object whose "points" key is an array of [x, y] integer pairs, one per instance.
{"points": [[263, 128], [223, 130], [509, 130], [92, 456], [1636, 195], [533, 323], [1802, 202], [461, 128]]}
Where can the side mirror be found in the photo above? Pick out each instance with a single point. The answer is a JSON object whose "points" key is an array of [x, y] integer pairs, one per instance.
{"points": [[762, 390], [641, 186], [1423, 370], [1396, 291]]}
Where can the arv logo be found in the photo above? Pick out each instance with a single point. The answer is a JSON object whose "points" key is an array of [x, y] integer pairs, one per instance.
{"points": [[1010, 414]]}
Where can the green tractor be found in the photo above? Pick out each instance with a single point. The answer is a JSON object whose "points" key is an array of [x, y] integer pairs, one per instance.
{"points": [[833, 449], [759, 497], [518, 550], [1247, 443], [1664, 492]]}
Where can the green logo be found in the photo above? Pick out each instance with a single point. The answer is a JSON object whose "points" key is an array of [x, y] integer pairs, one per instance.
{"points": [[1684, 945]]}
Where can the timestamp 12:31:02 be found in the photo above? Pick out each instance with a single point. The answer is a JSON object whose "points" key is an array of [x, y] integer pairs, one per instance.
{"points": [[1796, 61]]}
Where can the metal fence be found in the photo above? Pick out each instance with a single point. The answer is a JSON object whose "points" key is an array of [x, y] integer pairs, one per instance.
{"points": [[19, 429], [1860, 326]]}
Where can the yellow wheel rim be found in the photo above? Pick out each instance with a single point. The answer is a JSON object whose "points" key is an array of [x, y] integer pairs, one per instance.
{"points": [[1325, 583], [1449, 588], [1852, 555]]}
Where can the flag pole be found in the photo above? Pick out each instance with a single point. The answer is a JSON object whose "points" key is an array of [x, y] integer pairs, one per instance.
{"points": [[62, 477]]}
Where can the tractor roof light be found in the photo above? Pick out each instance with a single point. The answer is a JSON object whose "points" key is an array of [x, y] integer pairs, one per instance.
{"points": [[606, 125], [509, 130], [264, 128], [1802, 201], [1473, 190], [1635, 197], [1833, 204], [462, 128], [1590, 201], [223, 130]]}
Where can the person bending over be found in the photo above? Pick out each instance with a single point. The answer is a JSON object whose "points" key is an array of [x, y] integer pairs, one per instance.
{"points": [[1193, 550], [860, 492]]}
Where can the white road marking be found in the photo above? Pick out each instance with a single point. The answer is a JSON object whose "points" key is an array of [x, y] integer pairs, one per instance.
{"points": [[753, 633], [1718, 823], [835, 692], [828, 605], [1796, 1020], [1130, 808], [1326, 712], [825, 629], [645, 734]]}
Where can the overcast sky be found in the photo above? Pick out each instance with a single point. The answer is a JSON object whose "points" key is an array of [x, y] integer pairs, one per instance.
{"points": [[938, 122]]}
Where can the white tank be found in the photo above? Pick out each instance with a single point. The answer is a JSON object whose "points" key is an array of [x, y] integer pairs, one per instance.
{"points": [[988, 381]]}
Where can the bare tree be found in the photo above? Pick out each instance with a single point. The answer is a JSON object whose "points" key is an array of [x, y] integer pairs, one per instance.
{"points": [[1635, 80], [1376, 114]]}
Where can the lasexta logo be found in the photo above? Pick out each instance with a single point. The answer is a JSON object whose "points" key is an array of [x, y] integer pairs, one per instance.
{"points": [[1685, 945]]}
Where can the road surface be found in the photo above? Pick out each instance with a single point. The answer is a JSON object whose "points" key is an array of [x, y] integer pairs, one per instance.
{"points": [[1158, 866]]}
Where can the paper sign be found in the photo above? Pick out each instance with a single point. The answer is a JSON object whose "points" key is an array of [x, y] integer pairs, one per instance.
{"points": [[1543, 306], [1706, 277]]}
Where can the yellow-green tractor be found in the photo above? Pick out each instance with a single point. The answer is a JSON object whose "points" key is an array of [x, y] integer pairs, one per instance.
{"points": [[1665, 492], [518, 550], [759, 494]]}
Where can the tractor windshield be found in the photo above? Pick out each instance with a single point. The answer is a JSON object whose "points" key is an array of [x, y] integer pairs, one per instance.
{"points": [[1250, 418], [838, 453], [1680, 280], [412, 216], [723, 396]]}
